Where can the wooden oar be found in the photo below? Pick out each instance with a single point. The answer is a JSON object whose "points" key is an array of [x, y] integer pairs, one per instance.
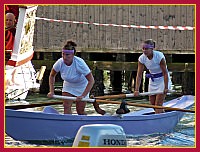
{"points": [[128, 103], [33, 105], [130, 95], [15, 107]]}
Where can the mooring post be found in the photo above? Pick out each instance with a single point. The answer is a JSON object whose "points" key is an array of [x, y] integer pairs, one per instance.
{"points": [[189, 81], [116, 81], [98, 87]]}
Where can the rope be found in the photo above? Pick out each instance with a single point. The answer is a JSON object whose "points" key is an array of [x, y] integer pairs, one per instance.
{"points": [[182, 28]]}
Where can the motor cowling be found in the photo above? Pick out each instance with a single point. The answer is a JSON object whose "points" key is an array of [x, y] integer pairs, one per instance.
{"points": [[100, 135]]}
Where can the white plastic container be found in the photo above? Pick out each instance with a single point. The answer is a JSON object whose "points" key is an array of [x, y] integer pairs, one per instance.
{"points": [[100, 135]]}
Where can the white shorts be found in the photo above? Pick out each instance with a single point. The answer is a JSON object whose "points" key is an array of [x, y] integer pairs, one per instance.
{"points": [[75, 89], [158, 85]]}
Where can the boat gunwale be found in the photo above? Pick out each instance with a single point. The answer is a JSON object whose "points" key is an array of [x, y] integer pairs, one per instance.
{"points": [[137, 115], [68, 117]]}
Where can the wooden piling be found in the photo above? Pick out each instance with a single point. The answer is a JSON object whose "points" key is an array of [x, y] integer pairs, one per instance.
{"points": [[44, 88], [188, 81], [116, 81], [98, 87]]}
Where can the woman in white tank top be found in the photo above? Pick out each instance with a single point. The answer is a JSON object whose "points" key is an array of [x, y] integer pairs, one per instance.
{"points": [[159, 79]]}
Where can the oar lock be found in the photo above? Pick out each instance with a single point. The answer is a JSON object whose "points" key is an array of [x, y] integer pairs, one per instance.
{"points": [[123, 108]]}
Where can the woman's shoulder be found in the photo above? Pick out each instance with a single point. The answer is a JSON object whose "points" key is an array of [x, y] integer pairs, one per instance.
{"points": [[158, 53], [142, 55], [59, 61], [78, 60], [142, 58], [81, 64], [58, 64]]}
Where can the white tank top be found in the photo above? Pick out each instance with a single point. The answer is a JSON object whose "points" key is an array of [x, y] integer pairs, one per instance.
{"points": [[152, 65]]}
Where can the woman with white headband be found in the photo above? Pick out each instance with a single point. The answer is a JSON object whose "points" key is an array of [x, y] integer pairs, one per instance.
{"points": [[78, 79], [159, 79]]}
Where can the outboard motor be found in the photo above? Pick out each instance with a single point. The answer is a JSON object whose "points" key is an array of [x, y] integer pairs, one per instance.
{"points": [[100, 135]]}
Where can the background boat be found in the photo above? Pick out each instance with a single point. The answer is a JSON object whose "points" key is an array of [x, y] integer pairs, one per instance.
{"points": [[20, 73]]}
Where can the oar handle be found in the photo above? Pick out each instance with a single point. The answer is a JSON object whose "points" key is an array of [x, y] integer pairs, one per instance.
{"points": [[144, 94], [131, 95], [155, 92], [72, 98], [112, 96]]}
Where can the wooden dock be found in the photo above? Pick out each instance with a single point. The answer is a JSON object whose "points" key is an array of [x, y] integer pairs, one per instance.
{"points": [[106, 44]]}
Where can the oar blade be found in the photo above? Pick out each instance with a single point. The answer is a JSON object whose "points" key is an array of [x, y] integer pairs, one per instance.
{"points": [[159, 107]]}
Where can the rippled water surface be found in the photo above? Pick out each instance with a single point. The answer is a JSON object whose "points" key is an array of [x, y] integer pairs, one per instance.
{"points": [[182, 136]]}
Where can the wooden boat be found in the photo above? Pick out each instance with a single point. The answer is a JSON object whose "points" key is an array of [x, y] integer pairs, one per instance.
{"points": [[49, 125]]}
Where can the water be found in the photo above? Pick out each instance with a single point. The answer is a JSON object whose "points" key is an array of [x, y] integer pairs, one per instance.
{"points": [[182, 136]]}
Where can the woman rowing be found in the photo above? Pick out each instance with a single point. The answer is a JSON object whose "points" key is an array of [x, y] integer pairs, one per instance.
{"points": [[159, 76], [78, 79]]}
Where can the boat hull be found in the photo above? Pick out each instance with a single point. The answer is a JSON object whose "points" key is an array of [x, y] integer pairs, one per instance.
{"points": [[31, 126]]}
